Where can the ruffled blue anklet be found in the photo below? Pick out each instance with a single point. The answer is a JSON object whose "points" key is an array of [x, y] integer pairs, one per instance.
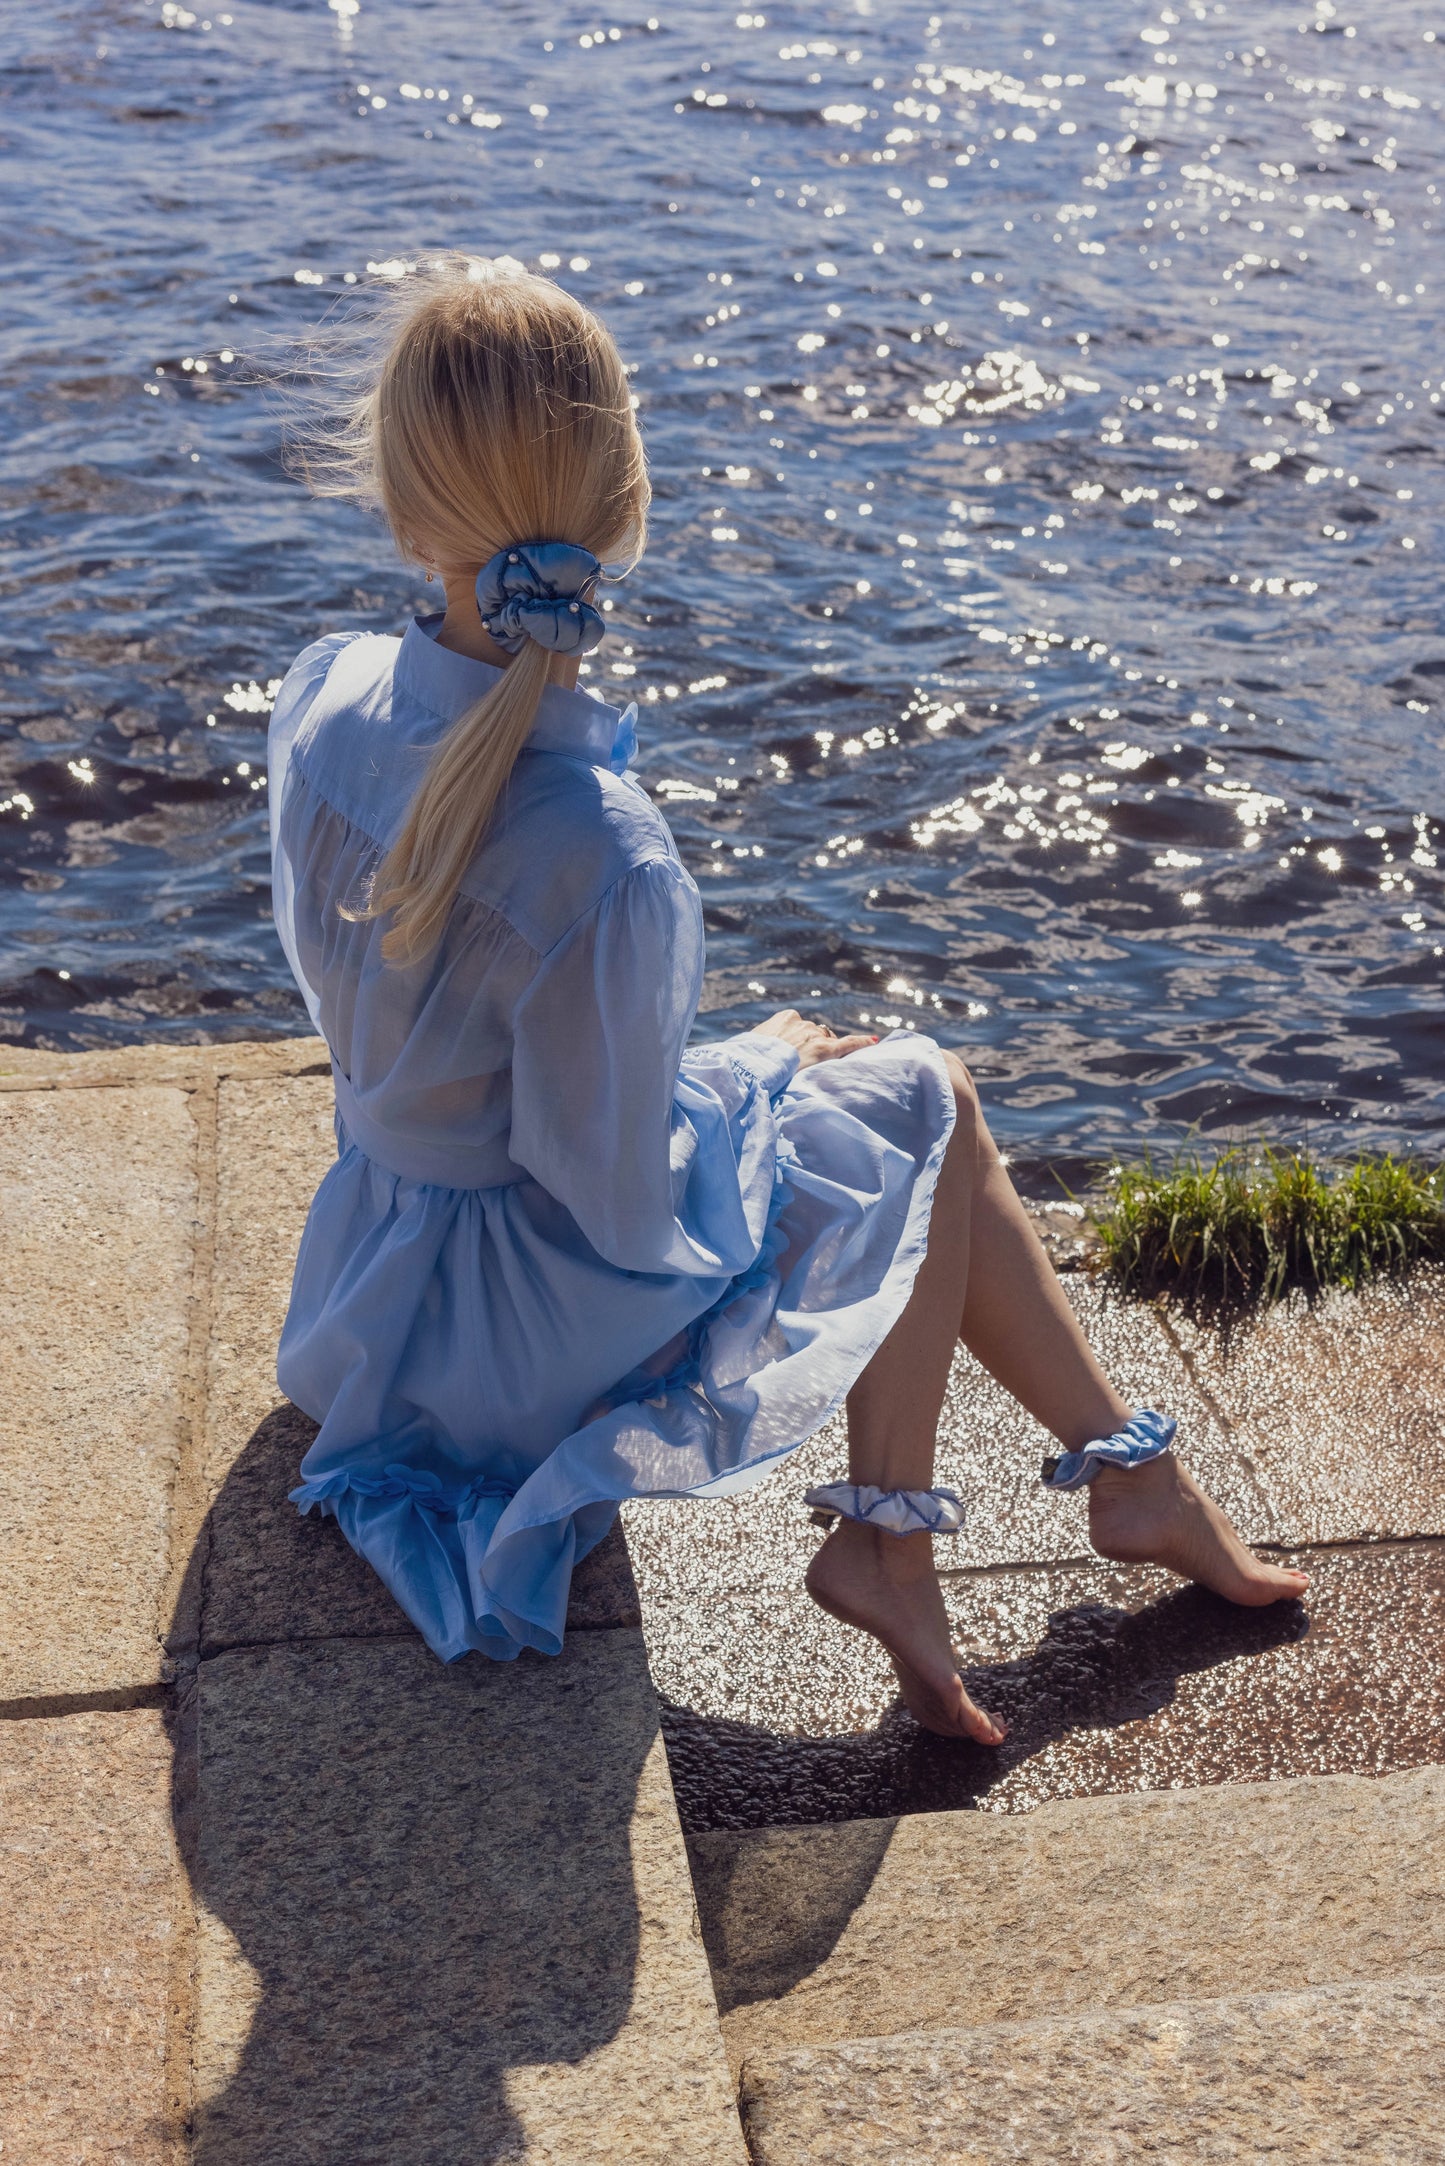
{"points": [[894, 1511], [1143, 1437]]}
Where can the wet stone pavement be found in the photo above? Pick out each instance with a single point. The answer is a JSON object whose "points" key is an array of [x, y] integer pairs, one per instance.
{"points": [[1314, 1429]]}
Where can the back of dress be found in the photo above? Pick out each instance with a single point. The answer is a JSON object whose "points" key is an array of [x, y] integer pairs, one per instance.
{"points": [[423, 1053], [561, 1257]]}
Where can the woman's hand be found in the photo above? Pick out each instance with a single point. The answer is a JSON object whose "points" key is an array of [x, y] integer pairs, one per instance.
{"points": [[814, 1041]]}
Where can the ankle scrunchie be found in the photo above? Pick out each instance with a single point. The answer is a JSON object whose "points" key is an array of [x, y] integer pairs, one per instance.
{"points": [[894, 1511], [1143, 1437]]}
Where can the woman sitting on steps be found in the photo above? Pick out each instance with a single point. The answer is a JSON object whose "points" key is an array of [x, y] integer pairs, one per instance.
{"points": [[564, 1258]]}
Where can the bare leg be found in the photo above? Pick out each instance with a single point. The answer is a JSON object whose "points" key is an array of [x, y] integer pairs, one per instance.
{"points": [[1017, 1320], [886, 1583], [1012, 1314]]}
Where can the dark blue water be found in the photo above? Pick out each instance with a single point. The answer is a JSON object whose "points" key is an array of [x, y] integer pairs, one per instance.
{"points": [[1040, 641]]}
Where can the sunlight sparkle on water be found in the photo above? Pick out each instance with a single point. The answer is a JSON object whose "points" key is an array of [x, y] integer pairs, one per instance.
{"points": [[1066, 391]]}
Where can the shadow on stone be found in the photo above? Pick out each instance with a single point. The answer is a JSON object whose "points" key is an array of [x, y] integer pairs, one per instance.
{"points": [[1098, 1669], [789, 1923], [416, 1883]]}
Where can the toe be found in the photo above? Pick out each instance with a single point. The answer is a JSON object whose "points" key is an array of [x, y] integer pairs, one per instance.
{"points": [[977, 1723], [946, 1709], [1273, 1583]]}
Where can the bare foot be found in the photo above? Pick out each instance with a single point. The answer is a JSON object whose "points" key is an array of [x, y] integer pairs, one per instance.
{"points": [[1158, 1514], [886, 1584]]}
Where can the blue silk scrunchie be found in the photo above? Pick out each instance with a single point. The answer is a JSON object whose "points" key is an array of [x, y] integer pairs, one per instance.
{"points": [[535, 591], [1143, 1437]]}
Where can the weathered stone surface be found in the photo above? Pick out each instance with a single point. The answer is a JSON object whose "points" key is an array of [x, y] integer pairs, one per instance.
{"points": [[170, 1061], [89, 1886], [98, 1205], [1110, 1679], [274, 1141], [1341, 1412], [1349, 2073], [449, 1916], [688, 1554], [604, 1591], [945, 1919], [270, 1575]]}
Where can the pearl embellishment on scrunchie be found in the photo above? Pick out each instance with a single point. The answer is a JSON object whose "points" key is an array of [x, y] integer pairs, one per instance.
{"points": [[538, 590]]}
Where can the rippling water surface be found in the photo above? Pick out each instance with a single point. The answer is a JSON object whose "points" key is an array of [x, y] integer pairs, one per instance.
{"points": [[1040, 642]]}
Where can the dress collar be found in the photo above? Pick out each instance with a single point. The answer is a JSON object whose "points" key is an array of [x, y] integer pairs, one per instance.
{"points": [[577, 724]]}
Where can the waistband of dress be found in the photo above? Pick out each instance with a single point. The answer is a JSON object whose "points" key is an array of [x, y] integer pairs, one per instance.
{"points": [[436, 1165]]}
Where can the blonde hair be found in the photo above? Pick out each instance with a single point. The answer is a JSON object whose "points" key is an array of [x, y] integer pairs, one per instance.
{"points": [[497, 413]]}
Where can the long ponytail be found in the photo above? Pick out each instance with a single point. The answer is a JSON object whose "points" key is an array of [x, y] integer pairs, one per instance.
{"points": [[417, 881], [499, 415]]}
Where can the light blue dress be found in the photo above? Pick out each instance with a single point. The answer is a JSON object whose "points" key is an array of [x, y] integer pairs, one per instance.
{"points": [[561, 1258]]}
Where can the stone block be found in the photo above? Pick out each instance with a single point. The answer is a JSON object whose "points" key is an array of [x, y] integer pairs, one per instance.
{"points": [[448, 1916], [942, 1920], [170, 1060], [89, 1894], [1348, 2073], [274, 1141], [1112, 1680], [604, 1591], [270, 1575], [98, 1204], [1340, 1411]]}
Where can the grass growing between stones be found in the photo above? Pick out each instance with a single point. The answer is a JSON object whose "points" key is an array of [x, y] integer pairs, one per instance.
{"points": [[1252, 1227]]}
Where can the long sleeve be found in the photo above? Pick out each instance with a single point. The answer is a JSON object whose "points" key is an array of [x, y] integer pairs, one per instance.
{"points": [[294, 701], [665, 1161]]}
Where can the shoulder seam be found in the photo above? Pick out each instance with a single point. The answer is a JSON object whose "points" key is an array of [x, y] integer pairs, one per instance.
{"points": [[644, 864]]}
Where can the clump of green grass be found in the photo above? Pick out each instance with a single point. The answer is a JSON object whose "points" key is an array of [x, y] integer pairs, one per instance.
{"points": [[1253, 1226]]}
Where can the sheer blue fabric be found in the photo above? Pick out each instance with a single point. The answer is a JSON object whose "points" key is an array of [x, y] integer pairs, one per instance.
{"points": [[562, 1257]]}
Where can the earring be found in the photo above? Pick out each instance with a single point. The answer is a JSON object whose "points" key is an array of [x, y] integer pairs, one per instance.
{"points": [[428, 578]]}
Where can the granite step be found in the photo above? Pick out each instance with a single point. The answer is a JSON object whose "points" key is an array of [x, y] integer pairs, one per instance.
{"points": [[443, 1915], [949, 1920], [277, 1887], [1320, 1433], [1327, 2073]]}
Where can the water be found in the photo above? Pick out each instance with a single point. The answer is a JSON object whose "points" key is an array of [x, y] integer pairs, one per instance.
{"points": [[1039, 642]]}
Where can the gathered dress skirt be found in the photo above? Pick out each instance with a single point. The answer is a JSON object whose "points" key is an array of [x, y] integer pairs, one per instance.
{"points": [[474, 1444]]}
